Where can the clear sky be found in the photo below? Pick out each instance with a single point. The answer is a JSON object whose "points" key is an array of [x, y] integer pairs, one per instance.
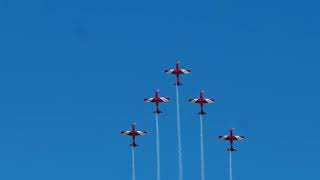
{"points": [[74, 73]]}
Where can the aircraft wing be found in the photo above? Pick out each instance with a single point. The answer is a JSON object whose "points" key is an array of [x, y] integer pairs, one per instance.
{"points": [[165, 99], [141, 133], [210, 100], [193, 100], [149, 99], [239, 137], [170, 71], [185, 71], [234, 138], [127, 133], [162, 99], [225, 137]]}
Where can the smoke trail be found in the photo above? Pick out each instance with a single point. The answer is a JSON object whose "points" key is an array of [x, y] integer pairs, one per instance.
{"points": [[158, 147], [179, 135], [201, 148], [133, 165], [230, 163]]}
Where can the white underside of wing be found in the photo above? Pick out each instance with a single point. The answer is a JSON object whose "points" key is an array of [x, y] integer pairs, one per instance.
{"points": [[170, 71], [209, 100], [194, 100], [141, 133], [125, 133], [149, 100], [164, 99], [239, 137], [223, 137], [185, 71]]}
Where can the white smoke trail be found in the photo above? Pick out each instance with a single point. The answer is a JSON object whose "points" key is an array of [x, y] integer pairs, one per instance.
{"points": [[230, 164], [158, 147], [202, 148], [133, 165], [179, 136]]}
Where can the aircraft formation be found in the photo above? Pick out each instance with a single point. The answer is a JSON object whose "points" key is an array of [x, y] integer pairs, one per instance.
{"points": [[157, 99]]}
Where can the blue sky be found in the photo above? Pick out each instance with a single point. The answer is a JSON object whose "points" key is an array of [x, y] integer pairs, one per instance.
{"points": [[73, 74]]}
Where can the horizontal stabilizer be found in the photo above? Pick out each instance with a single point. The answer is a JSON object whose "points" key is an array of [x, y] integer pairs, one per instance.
{"points": [[202, 113], [134, 145], [157, 112]]}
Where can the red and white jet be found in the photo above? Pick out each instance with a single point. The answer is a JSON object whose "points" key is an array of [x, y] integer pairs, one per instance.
{"points": [[178, 72], [157, 100], [133, 133], [231, 138], [202, 101]]}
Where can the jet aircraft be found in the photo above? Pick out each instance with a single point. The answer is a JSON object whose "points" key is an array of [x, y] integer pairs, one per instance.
{"points": [[231, 138], [133, 133], [202, 101], [177, 71], [157, 100]]}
